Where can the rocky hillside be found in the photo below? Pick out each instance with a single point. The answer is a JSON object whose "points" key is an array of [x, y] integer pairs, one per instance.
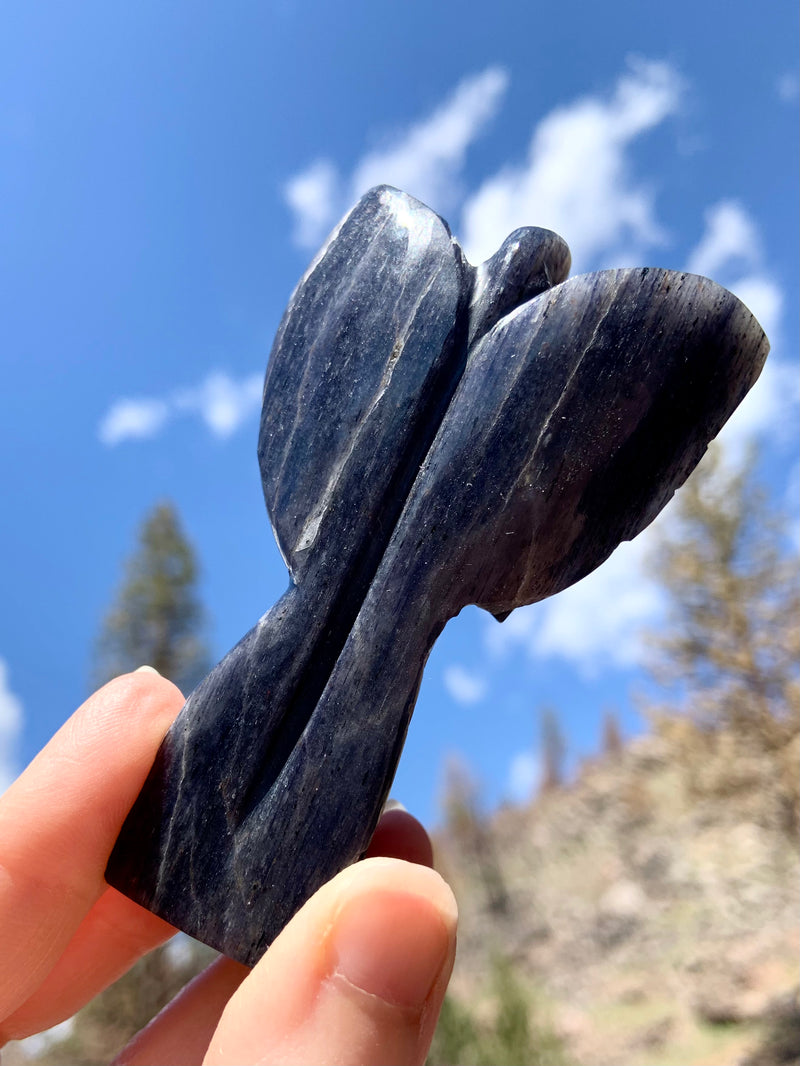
{"points": [[651, 915]]}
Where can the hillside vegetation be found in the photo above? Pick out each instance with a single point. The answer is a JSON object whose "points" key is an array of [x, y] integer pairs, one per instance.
{"points": [[644, 922]]}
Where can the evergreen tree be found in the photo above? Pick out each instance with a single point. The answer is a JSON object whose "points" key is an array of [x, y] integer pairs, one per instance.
{"points": [[612, 742], [157, 618], [554, 750], [729, 656], [471, 831]]}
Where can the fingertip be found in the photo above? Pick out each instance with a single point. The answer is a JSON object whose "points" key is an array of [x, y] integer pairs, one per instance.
{"points": [[400, 835], [389, 873], [151, 692], [108, 743], [358, 975], [134, 710], [392, 934]]}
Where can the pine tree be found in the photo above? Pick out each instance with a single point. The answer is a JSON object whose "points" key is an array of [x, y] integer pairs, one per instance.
{"points": [[612, 743], [468, 827], [729, 656], [157, 618], [554, 750]]}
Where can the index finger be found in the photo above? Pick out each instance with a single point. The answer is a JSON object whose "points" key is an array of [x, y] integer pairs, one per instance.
{"points": [[59, 821]]}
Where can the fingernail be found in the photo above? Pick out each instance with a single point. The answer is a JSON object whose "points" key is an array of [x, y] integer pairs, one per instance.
{"points": [[392, 945], [147, 670], [392, 805]]}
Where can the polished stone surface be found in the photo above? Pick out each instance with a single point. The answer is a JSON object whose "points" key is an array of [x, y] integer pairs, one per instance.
{"points": [[433, 435]]}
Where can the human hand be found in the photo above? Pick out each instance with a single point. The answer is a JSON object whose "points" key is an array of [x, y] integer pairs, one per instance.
{"points": [[357, 976]]}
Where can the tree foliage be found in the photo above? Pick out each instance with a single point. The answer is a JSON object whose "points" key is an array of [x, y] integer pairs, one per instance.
{"points": [[729, 656], [554, 749], [514, 1030], [157, 618], [472, 833], [612, 742]]}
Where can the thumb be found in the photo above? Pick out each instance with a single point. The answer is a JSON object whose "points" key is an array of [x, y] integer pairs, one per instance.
{"points": [[357, 976]]}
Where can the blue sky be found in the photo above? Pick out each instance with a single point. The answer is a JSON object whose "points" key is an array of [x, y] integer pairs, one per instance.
{"points": [[166, 173]]}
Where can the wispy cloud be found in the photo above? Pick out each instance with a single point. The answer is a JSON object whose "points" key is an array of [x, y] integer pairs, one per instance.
{"points": [[787, 86], [464, 686], [221, 402], [314, 198], [593, 625], [578, 178], [731, 252], [11, 718], [133, 419], [524, 776], [424, 160], [771, 408], [730, 239]]}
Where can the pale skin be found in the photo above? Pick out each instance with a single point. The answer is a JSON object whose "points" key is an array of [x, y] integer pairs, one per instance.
{"points": [[357, 977]]}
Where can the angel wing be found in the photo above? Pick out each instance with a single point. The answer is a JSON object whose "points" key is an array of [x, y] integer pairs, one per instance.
{"points": [[364, 363]]}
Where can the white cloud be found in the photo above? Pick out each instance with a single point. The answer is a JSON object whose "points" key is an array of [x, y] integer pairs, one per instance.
{"points": [[313, 197], [730, 251], [132, 420], [599, 621], [464, 686], [769, 409], [577, 179], [595, 624], [10, 727], [515, 631], [730, 236], [222, 402], [524, 776], [764, 298], [424, 160], [787, 86]]}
